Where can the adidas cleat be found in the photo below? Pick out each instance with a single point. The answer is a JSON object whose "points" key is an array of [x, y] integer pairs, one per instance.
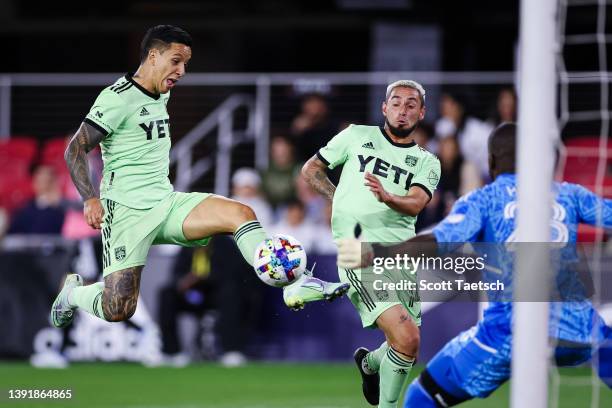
{"points": [[370, 383], [61, 312], [310, 289]]}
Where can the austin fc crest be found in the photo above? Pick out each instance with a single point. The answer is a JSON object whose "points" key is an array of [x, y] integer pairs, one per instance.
{"points": [[411, 160], [382, 295], [120, 253]]}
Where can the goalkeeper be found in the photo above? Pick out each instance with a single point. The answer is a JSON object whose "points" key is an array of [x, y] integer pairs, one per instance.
{"points": [[476, 362]]}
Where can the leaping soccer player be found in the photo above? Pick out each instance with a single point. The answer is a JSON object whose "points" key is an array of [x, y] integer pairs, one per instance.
{"points": [[477, 361], [387, 179], [137, 206]]}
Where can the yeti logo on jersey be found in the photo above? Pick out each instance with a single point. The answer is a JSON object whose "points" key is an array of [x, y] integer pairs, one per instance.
{"points": [[411, 160], [385, 169], [161, 126], [433, 178], [120, 253]]}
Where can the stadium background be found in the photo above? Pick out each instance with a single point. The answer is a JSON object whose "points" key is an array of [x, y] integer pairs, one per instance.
{"points": [[268, 56]]}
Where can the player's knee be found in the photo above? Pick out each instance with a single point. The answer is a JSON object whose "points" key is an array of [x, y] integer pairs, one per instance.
{"points": [[406, 341], [242, 213]]}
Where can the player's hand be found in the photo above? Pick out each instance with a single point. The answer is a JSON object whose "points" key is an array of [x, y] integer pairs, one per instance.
{"points": [[94, 212], [353, 254], [377, 188]]}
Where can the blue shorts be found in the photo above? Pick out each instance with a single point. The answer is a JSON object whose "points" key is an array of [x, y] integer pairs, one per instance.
{"points": [[477, 361]]}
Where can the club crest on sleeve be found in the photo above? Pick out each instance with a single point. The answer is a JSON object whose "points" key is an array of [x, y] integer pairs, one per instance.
{"points": [[120, 253], [433, 178], [411, 160]]}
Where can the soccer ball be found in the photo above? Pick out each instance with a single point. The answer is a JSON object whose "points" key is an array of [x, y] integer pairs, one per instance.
{"points": [[280, 260]]}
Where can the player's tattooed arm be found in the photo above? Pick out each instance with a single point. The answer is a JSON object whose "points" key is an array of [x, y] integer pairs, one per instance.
{"points": [[85, 139], [315, 173], [120, 294]]}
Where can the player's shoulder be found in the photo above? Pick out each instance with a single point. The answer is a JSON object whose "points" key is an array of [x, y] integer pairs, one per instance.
{"points": [[475, 195], [116, 92], [486, 194], [572, 189], [426, 154], [365, 130], [358, 135]]}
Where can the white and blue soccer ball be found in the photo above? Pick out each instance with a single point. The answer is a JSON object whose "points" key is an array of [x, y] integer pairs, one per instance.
{"points": [[280, 260]]}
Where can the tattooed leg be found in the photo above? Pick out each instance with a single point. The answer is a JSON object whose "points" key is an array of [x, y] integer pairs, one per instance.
{"points": [[121, 294]]}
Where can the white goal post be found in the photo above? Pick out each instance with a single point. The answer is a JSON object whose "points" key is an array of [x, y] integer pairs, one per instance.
{"points": [[537, 132]]}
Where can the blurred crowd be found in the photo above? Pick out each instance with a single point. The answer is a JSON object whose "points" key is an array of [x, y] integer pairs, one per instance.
{"points": [[202, 279]]}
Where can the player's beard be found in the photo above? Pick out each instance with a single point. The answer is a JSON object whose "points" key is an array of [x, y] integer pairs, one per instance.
{"points": [[401, 132]]}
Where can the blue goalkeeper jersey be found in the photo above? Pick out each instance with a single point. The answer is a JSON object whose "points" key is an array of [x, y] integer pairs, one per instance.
{"points": [[488, 215]]}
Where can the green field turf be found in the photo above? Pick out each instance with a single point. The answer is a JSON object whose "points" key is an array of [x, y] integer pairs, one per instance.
{"points": [[209, 385]]}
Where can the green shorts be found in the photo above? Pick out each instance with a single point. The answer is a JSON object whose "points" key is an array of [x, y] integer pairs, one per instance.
{"points": [[370, 302], [128, 233]]}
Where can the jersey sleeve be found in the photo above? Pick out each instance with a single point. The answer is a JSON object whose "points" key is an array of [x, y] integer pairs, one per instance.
{"points": [[465, 221], [590, 204], [336, 151], [428, 176], [107, 112]]}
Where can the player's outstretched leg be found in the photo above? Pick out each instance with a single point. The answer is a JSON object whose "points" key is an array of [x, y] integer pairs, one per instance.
{"points": [[220, 215], [113, 300], [310, 289]]}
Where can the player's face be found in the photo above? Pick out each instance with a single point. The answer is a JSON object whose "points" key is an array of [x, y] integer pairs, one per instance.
{"points": [[403, 110], [170, 66]]}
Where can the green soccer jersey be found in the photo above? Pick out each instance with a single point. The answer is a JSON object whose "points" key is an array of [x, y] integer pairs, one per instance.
{"points": [[397, 166], [136, 149]]}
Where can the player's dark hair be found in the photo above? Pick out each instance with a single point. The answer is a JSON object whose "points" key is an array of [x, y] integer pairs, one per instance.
{"points": [[502, 149], [161, 36]]}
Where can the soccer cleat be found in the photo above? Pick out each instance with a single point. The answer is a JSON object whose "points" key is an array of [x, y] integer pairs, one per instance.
{"points": [[61, 312], [370, 383], [310, 289]]}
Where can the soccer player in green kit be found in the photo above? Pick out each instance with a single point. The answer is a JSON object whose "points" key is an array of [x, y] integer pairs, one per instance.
{"points": [[137, 207], [386, 181]]}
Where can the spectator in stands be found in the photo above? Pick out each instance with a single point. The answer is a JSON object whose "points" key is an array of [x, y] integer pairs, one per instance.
{"points": [[313, 126], [505, 107], [205, 279], [471, 133], [277, 180], [238, 299], [44, 214], [189, 290], [245, 188], [294, 223]]}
